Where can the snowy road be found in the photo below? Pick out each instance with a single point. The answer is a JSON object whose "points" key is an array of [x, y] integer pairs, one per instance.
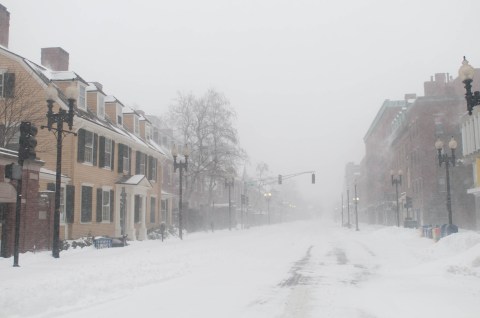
{"points": [[302, 269]]}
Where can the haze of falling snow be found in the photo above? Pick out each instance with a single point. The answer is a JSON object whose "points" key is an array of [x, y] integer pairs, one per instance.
{"points": [[306, 77]]}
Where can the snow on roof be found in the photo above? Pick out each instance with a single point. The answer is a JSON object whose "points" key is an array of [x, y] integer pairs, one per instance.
{"points": [[62, 75]]}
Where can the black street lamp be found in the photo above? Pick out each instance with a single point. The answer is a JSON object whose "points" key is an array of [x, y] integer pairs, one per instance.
{"points": [[348, 208], [123, 214], [444, 158], [268, 196], [58, 119], [229, 184], [355, 199], [180, 165], [466, 73], [396, 181], [342, 210]]}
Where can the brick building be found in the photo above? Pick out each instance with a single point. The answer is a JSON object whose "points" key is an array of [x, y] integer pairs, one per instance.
{"points": [[405, 141]]}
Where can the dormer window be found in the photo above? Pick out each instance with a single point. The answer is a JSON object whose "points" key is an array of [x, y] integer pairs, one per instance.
{"points": [[119, 115], [148, 132], [101, 106], [136, 125], [82, 92]]}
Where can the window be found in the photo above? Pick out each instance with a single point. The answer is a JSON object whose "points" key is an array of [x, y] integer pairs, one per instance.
{"points": [[152, 168], [148, 132], [119, 115], [107, 153], [7, 85], [86, 204], [123, 159], [106, 206], [153, 209], [82, 97], [87, 147], [140, 164], [88, 156], [136, 125], [101, 105], [164, 210]]}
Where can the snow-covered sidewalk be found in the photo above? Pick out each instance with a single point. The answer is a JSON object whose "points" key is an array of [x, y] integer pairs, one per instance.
{"points": [[302, 269]]}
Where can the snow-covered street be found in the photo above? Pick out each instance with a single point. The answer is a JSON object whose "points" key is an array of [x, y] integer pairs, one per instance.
{"points": [[302, 269]]}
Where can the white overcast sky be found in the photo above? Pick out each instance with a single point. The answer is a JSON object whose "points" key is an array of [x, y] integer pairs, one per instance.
{"points": [[305, 77]]}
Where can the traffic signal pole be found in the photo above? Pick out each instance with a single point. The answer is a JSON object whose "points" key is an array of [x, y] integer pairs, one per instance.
{"points": [[26, 151]]}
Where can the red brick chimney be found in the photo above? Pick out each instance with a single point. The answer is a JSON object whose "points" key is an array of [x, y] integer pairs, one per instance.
{"points": [[55, 58], [4, 26]]}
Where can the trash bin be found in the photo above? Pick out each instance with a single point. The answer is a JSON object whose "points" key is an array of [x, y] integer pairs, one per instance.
{"points": [[436, 233], [450, 229], [102, 242], [427, 231]]}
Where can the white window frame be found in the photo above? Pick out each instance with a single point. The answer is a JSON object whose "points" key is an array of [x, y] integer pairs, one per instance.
{"points": [[106, 206], [154, 170], [88, 156], [119, 115], [100, 105], [143, 164], [148, 131], [82, 96], [62, 204], [136, 125], [126, 159]]}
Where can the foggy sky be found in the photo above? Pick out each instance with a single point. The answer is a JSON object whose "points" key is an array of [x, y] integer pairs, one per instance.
{"points": [[305, 77]]}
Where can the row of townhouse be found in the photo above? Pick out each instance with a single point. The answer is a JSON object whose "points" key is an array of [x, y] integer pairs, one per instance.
{"points": [[116, 155], [402, 138]]}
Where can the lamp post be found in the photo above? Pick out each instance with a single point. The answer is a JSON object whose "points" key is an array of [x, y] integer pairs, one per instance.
{"points": [[268, 196], [348, 208], [123, 215], [444, 158], [180, 166], [229, 184], [342, 209], [59, 118], [466, 73], [396, 181], [355, 199]]}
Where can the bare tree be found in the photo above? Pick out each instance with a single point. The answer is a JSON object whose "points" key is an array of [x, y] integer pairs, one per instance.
{"points": [[206, 124], [19, 102]]}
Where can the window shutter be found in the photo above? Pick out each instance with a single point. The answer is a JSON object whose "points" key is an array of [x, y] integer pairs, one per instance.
{"points": [[150, 159], [137, 209], [101, 157], [99, 205], [111, 206], [86, 204], [112, 163], [137, 162], [146, 165], [9, 91], [120, 158], [70, 203], [95, 146], [51, 186], [130, 161], [81, 146]]}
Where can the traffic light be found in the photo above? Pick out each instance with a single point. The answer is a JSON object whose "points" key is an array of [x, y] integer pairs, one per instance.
{"points": [[28, 142], [279, 179], [313, 178]]}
